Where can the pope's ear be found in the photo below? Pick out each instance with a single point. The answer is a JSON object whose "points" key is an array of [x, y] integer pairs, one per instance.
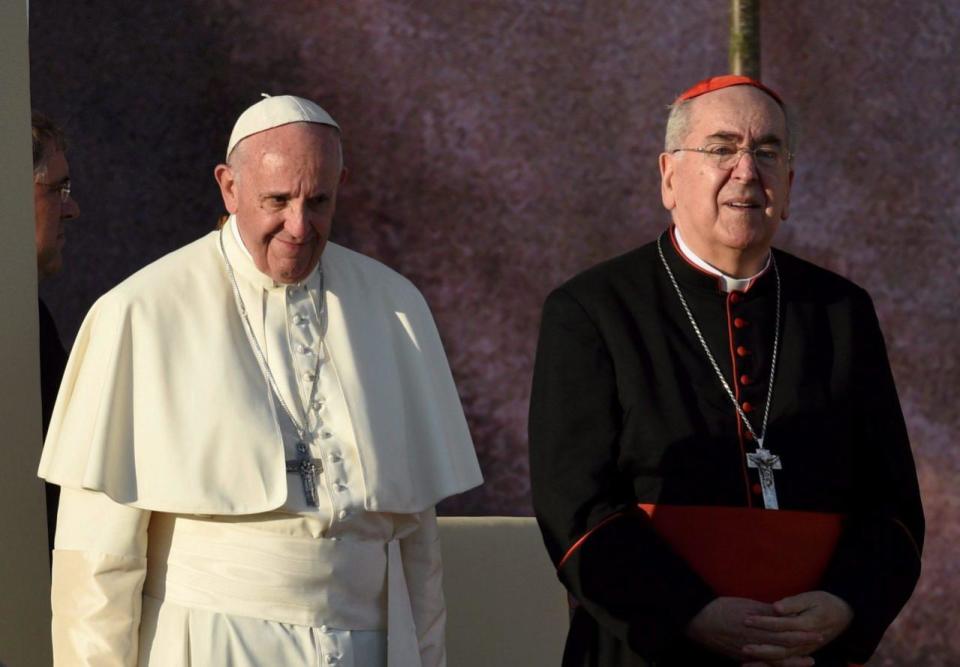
{"points": [[667, 195], [227, 180]]}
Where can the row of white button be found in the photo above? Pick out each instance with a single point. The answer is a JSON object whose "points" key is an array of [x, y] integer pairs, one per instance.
{"points": [[301, 308]]}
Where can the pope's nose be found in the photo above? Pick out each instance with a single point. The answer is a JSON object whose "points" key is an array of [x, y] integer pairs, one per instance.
{"points": [[298, 221]]}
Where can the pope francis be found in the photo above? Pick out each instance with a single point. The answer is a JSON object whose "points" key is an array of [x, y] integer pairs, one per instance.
{"points": [[251, 436]]}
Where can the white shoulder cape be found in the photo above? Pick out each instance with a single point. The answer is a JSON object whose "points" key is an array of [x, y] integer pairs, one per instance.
{"points": [[163, 406]]}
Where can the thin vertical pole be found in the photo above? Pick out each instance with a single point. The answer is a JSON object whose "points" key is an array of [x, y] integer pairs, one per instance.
{"points": [[745, 37]]}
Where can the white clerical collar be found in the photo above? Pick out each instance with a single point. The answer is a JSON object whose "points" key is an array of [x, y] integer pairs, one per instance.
{"points": [[248, 268], [727, 283], [236, 235]]}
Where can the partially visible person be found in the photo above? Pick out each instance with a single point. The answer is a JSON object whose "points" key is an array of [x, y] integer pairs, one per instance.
{"points": [[52, 206]]}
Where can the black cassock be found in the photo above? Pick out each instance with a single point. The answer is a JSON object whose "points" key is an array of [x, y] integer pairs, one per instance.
{"points": [[626, 409], [53, 360]]}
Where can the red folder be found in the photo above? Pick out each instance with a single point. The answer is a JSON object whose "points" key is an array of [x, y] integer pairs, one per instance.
{"points": [[752, 553]]}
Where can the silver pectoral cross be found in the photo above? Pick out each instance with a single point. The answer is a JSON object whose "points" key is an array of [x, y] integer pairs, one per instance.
{"points": [[766, 462], [308, 468]]}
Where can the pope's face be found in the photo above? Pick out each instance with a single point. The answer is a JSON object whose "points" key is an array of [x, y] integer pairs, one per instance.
{"points": [[283, 189], [50, 212], [733, 211]]}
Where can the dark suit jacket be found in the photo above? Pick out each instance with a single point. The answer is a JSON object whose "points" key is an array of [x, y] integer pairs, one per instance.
{"points": [[626, 408], [53, 360]]}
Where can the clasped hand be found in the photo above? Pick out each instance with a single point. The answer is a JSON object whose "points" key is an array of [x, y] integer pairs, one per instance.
{"points": [[782, 634]]}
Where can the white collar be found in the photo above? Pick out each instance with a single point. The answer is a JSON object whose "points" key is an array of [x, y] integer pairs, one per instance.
{"points": [[236, 235], [727, 283]]}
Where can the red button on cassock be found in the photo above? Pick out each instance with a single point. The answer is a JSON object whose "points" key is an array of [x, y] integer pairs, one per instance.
{"points": [[739, 322], [745, 379], [757, 489], [734, 297], [747, 406], [742, 351]]}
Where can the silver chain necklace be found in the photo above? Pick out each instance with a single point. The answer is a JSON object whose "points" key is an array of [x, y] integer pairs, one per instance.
{"points": [[761, 459], [261, 359]]}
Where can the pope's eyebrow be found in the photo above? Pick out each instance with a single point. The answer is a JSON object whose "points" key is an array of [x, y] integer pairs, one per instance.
{"points": [[274, 195]]}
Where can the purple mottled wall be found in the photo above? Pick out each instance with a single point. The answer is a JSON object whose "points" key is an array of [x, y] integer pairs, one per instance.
{"points": [[498, 147]]}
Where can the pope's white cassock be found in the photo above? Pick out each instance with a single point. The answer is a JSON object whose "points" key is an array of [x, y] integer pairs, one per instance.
{"points": [[183, 539]]}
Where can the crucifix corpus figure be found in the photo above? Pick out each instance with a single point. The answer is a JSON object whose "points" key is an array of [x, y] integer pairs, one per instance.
{"points": [[308, 468], [766, 462]]}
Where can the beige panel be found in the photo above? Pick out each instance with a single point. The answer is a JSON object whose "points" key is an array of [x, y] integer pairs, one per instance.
{"points": [[24, 569], [505, 606]]}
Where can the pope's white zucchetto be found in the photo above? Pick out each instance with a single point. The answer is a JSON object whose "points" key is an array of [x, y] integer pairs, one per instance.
{"points": [[273, 112]]}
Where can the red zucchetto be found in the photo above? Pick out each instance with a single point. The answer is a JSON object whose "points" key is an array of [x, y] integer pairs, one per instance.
{"points": [[721, 82]]}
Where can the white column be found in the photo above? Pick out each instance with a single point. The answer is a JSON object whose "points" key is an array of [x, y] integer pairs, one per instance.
{"points": [[24, 569]]}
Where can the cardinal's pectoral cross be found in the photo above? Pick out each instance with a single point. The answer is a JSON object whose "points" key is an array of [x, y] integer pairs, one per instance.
{"points": [[766, 462], [308, 468]]}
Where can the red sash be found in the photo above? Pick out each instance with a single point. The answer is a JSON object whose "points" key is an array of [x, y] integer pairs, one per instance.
{"points": [[751, 553]]}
